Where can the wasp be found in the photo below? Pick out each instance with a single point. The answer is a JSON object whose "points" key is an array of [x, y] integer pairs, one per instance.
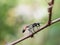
{"points": [[30, 28]]}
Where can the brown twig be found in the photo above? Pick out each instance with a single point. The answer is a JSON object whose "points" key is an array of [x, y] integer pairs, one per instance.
{"points": [[51, 3], [41, 28]]}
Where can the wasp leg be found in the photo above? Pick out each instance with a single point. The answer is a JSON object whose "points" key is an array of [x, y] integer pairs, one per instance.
{"points": [[31, 32], [38, 25]]}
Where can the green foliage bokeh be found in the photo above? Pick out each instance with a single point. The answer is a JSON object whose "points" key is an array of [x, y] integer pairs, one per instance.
{"points": [[5, 29], [49, 36]]}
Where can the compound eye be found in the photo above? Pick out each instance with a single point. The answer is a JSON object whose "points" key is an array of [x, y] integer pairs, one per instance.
{"points": [[23, 31]]}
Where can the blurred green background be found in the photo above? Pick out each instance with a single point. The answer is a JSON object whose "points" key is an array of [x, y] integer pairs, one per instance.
{"points": [[15, 14]]}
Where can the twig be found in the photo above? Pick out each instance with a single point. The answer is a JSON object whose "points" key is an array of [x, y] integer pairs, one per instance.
{"points": [[41, 28], [51, 3]]}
